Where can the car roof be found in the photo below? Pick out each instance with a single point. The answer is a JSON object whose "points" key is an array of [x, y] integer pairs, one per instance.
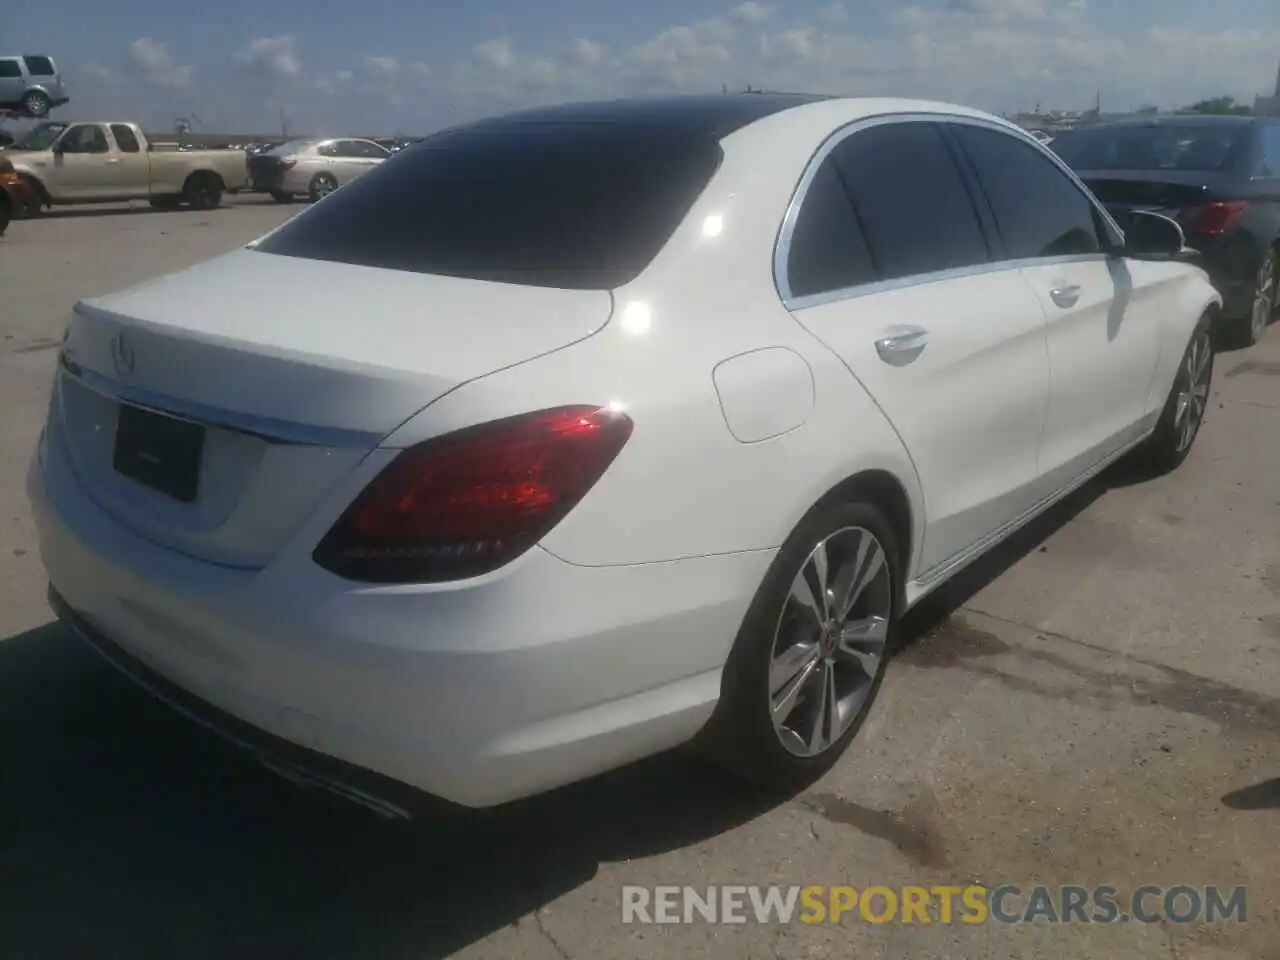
{"points": [[719, 116], [713, 115]]}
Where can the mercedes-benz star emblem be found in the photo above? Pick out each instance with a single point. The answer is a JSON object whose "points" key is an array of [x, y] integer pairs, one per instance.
{"points": [[122, 356]]}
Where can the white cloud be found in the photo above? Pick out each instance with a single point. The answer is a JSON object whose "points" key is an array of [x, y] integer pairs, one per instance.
{"points": [[994, 54], [797, 44], [384, 65], [99, 73], [586, 52], [752, 12], [1004, 10], [152, 59], [496, 54], [680, 46], [544, 72], [273, 58]]}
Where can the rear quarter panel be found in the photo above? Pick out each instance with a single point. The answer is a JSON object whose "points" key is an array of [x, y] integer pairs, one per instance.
{"points": [[684, 486], [1189, 294]]}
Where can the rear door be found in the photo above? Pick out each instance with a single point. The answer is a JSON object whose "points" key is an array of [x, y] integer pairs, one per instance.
{"points": [[345, 162], [134, 166], [890, 266], [1104, 312], [367, 155], [45, 75]]}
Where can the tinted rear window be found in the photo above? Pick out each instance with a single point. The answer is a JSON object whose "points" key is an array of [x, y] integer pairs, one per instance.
{"points": [[39, 66], [558, 204], [1192, 146]]}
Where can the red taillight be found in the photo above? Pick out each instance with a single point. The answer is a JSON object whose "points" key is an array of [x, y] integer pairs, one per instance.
{"points": [[1215, 219], [469, 502]]}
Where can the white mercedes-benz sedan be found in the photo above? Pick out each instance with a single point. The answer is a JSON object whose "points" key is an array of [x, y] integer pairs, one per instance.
{"points": [[567, 437]]}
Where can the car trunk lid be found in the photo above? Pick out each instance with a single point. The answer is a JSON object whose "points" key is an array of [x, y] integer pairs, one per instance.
{"points": [[264, 380], [1169, 192]]}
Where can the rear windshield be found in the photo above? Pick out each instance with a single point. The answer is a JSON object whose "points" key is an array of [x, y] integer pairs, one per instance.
{"points": [[556, 204], [1192, 146]]}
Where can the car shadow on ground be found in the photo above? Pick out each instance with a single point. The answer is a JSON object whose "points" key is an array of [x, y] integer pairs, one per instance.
{"points": [[127, 831], [77, 213], [1260, 796]]}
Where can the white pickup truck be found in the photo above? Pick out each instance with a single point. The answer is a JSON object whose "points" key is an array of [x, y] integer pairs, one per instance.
{"points": [[68, 163]]}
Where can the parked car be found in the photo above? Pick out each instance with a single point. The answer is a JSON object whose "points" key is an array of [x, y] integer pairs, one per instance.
{"points": [[314, 168], [31, 85], [18, 198], [569, 437], [96, 162], [7, 202], [1218, 176]]}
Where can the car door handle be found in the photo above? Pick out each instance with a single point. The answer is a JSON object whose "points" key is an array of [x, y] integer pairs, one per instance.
{"points": [[1065, 295], [903, 346], [112, 160]]}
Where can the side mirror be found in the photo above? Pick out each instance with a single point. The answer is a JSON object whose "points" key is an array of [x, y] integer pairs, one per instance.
{"points": [[1153, 236]]}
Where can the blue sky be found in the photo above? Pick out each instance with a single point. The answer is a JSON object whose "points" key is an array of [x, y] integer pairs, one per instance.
{"points": [[393, 65]]}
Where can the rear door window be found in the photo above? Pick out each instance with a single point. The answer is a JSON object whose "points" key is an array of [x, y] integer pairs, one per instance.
{"points": [[367, 150], [911, 199], [828, 251], [577, 205], [39, 66], [125, 139], [10, 69], [1038, 210]]}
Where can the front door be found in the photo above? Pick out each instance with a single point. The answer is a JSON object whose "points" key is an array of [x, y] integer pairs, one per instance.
{"points": [[82, 167], [1104, 314]]}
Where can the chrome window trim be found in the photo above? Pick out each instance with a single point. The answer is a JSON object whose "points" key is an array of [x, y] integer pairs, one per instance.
{"points": [[271, 430], [782, 246]]}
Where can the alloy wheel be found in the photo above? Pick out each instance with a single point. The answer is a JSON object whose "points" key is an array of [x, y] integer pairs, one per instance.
{"points": [[1264, 297], [830, 641], [1193, 390]]}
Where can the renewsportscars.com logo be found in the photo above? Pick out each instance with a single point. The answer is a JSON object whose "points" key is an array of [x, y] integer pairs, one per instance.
{"points": [[970, 904]]}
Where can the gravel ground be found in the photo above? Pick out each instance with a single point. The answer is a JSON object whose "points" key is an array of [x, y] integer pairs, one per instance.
{"points": [[1098, 703]]}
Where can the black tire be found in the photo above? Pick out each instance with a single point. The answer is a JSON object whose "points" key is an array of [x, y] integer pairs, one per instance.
{"points": [[322, 184], [6, 212], [742, 735], [1169, 444], [35, 199], [279, 196], [1266, 298], [36, 103], [202, 191]]}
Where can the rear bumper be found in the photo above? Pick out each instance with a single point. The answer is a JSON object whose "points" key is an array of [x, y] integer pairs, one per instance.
{"points": [[1232, 267], [387, 798], [477, 693]]}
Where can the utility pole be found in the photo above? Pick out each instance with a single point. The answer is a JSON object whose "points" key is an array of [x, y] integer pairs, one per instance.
{"points": [[284, 124]]}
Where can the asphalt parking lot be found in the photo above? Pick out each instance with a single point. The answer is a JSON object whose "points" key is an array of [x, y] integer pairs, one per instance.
{"points": [[1097, 703]]}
